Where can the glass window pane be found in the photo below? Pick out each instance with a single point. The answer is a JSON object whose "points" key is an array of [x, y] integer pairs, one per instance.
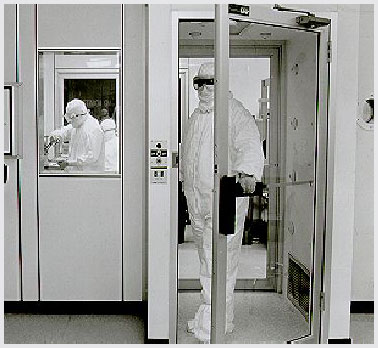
{"points": [[281, 213], [78, 107]]}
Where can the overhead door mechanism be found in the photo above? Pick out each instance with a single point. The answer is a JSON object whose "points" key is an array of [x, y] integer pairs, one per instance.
{"points": [[308, 21]]}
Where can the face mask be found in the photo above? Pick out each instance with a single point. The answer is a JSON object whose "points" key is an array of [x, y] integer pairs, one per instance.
{"points": [[78, 120], [206, 96]]}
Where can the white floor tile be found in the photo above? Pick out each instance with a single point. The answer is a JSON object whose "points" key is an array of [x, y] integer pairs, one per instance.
{"points": [[259, 318], [252, 263]]}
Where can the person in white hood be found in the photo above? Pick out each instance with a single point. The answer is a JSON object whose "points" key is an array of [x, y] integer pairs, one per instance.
{"points": [[246, 161], [111, 145], [86, 140]]}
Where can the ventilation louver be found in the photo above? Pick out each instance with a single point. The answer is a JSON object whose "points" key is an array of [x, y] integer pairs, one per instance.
{"points": [[298, 288]]}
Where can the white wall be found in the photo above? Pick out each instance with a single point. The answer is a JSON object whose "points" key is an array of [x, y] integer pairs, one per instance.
{"points": [[363, 243], [159, 128], [341, 172]]}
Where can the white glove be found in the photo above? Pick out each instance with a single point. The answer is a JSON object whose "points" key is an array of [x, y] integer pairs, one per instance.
{"points": [[62, 163], [248, 183], [57, 133]]}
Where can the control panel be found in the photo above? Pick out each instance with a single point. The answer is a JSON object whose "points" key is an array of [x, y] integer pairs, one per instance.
{"points": [[158, 162]]}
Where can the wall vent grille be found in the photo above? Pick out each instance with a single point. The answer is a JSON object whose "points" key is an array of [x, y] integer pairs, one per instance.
{"points": [[298, 288]]}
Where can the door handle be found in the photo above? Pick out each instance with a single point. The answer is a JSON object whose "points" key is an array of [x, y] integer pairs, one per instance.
{"points": [[229, 190], [6, 170], [291, 183], [175, 159]]}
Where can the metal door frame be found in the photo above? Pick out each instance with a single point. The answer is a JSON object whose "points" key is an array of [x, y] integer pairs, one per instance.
{"points": [[321, 137], [317, 247]]}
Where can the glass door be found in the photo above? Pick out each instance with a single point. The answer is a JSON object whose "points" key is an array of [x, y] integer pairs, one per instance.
{"points": [[290, 176]]}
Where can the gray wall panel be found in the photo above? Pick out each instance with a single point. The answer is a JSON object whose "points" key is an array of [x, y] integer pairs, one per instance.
{"points": [[29, 171], [134, 148], [80, 238], [12, 280], [12, 285], [9, 43], [79, 25], [363, 243]]}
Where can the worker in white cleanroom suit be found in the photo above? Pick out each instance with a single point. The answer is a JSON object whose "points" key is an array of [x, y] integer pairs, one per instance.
{"points": [[111, 145], [86, 140], [246, 161]]}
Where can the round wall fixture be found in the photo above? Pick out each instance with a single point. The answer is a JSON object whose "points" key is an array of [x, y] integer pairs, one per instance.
{"points": [[366, 120]]}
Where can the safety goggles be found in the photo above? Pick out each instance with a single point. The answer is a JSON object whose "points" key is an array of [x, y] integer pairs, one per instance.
{"points": [[198, 82], [70, 117]]}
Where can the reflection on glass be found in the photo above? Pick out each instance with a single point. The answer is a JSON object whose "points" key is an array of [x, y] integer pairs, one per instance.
{"points": [[78, 112]]}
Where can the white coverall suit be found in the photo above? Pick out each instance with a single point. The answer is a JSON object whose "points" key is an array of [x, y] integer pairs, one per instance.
{"points": [[86, 148], [108, 126], [246, 156]]}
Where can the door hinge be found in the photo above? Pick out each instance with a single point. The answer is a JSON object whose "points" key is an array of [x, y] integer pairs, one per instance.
{"points": [[329, 51], [322, 301], [308, 21]]}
